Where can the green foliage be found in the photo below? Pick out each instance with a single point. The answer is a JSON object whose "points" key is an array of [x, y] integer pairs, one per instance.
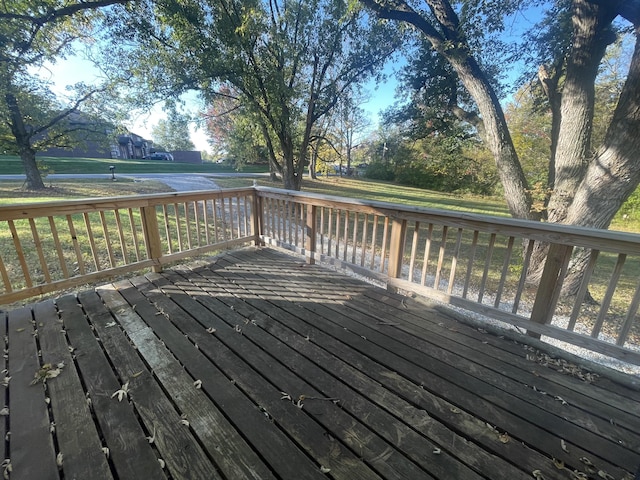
{"points": [[173, 133], [445, 164], [32, 35], [380, 171], [287, 62]]}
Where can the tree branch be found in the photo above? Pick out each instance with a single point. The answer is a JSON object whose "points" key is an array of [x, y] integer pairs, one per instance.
{"points": [[67, 11]]}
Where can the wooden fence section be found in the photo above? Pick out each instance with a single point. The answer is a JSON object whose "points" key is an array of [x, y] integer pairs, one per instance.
{"points": [[475, 262], [56, 245]]}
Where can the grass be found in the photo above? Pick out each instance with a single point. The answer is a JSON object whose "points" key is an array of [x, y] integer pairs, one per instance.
{"points": [[12, 165], [365, 189], [11, 192]]}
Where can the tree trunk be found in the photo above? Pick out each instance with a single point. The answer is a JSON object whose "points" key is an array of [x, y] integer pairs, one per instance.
{"points": [[613, 175], [22, 136], [591, 35], [498, 138], [450, 42]]}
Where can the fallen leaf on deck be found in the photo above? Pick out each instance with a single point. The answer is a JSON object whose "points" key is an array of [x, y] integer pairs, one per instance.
{"points": [[6, 468], [47, 372], [122, 393]]}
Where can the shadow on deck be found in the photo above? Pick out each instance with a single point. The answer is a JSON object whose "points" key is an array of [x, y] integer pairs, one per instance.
{"points": [[259, 366]]}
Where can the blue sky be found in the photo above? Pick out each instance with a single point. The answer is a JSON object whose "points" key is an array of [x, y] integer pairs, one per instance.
{"points": [[75, 69]]}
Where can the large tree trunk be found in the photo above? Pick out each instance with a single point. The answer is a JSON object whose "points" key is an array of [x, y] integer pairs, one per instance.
{"points": [[591, 35], [497, 136], [23, 142], [449, 41], [614, 174]]}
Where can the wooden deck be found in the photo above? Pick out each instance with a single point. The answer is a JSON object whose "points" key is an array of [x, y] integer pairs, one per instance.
{"points": [[259, 366]]}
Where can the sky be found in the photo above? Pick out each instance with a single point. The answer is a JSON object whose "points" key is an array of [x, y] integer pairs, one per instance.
{"points": [[75, 69]]}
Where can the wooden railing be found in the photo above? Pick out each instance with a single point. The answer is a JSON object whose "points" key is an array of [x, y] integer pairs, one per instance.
{"points": [[475, 262], [52, 246]]}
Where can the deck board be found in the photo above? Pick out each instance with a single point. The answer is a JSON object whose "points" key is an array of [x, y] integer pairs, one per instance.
{"points": [[258, 365]]}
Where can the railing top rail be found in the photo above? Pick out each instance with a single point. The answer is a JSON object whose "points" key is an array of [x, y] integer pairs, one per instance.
{"points": [[63, 207], [609, 240]]}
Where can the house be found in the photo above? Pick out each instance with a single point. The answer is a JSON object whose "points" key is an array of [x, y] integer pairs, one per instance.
{"points": [[131, 145]]}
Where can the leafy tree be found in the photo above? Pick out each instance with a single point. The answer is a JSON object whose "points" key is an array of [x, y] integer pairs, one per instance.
{"points": [[31, 34], [353, 121], [288, 61], [234, 131], [586, 187], [173, 132]]}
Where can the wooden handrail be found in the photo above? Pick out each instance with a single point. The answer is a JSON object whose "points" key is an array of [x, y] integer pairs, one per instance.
{"points": [[476, 262], [448, 267]]}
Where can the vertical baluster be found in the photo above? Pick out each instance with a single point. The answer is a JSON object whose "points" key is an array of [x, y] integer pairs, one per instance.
{"points": [[454, 262], [92, 243], [56, 241], [20, 253], [505, 271], [123, 242], [134, 234], [76, 245], [39, 250], [427, 252], [523, 275], [487, 266], [414, 249], [443, 245]]}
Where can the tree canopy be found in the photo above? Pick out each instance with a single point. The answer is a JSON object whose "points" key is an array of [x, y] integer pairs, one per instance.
{"points": [[33, 33], [288, 61], [172, 133]]}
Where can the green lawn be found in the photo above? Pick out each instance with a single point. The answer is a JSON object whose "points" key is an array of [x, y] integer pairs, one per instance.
{"points": [[347, 187], [12, 165]]}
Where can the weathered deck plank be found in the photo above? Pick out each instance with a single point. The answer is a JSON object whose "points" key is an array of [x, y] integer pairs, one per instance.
{"points": [[260, 366], [78, 440], [31, 443], [129, 451]]}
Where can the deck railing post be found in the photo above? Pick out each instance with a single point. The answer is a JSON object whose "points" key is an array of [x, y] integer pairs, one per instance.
{"points": [[310, 240], [555, 268], [257, 216], [396, 247], [152, 236]]}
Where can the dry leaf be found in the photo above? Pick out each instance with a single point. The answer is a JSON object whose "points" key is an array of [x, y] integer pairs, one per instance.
{"points": [[605, 475], [122, 393], [559, 464]]}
